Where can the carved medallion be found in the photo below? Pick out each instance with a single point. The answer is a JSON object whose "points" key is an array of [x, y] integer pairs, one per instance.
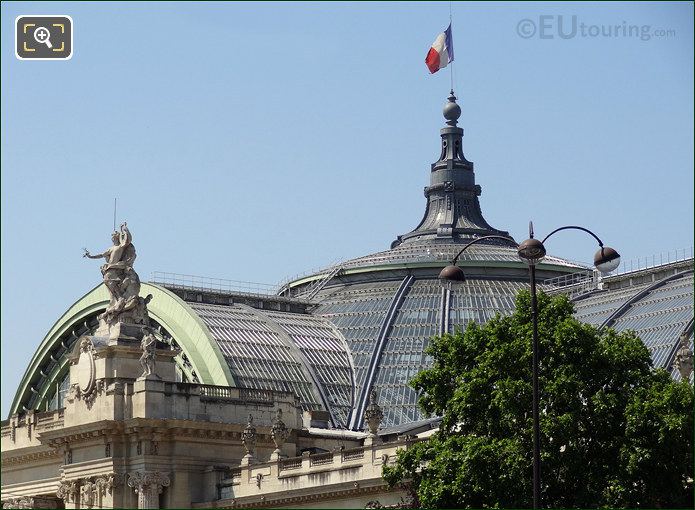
{"points": [[85, 387], [86, 372]]}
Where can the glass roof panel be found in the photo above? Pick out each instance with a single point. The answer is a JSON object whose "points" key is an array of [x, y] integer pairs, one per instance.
{"points": [[327, 355], [256, 355], [358, 311]]}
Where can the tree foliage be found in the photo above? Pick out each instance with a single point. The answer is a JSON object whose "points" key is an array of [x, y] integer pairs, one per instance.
{"points": [[614, 431]]}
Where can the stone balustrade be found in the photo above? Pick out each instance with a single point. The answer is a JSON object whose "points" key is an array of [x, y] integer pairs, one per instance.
{"points": [[347, 471]]}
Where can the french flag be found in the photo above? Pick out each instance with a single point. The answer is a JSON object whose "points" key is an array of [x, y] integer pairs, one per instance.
{"points": [[441, 52]]}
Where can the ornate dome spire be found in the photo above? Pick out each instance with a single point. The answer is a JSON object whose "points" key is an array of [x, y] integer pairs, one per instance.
{"points": [[452, 111], [453, 210]]}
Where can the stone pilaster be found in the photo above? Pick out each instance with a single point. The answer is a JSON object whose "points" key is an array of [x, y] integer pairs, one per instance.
{"points": [[148, 485]]}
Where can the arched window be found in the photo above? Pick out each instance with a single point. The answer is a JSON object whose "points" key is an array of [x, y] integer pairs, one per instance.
{"points": [[58, 399]]}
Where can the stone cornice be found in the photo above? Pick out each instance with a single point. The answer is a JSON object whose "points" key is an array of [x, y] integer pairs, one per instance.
{"points": [[275, 500], [167, 429], [37, 453]]}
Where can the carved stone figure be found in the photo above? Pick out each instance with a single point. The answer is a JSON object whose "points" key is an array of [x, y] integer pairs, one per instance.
{"points": [[121, 280], [147, 360]]}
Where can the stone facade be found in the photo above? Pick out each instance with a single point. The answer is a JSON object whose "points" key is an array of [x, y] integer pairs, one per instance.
{"points": [[126, 440]]}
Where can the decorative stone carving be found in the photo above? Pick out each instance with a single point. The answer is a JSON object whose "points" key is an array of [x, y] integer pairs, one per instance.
{"points": [[122, 282], [683, 361], [373, 415], [25, 502], [14, 423], [86, 387], [248, 439], [104, 486], [30, 502], [149, 347], [88, 494], [279, 432], [30, 421], [67, 454], [68, 491], [148, 486], [86, 371]]}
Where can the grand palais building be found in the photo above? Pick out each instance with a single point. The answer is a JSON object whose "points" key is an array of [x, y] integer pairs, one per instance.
{"points": [[180, 393]]}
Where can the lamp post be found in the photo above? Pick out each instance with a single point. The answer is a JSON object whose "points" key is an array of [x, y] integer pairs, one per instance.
{"points": [[532, 251]]}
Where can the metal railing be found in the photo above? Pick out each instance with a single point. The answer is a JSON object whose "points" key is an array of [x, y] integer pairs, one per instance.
{"points": [[661, 259], [572, 284], [575, 284], [204, 283], [412, 256]]}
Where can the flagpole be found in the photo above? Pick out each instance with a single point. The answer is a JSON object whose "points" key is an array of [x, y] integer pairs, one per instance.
{"points": [[451, 71]]}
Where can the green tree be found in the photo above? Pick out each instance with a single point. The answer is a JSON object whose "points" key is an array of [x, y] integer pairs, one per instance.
{"points": [[614, 431]]}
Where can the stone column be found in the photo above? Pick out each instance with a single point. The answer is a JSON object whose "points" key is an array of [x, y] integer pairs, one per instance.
{"points": [[148, 486]]}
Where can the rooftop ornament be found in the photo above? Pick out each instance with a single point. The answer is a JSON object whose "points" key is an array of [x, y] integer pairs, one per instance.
{"points": [[248, 439], [373, 415], [279, 432], [123, 283]]}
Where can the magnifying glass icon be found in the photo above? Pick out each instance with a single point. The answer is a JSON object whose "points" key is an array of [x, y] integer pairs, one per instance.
{"points": [[43, 36]]}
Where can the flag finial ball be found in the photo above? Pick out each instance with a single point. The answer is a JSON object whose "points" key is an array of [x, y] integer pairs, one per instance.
{"points": [[452, 111]]}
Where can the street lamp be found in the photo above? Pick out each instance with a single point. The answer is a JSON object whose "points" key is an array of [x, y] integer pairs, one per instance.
{"points": [[532, 251], [453, 274]]}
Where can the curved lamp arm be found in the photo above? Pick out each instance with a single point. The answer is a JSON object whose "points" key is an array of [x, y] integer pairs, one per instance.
{"points": [[476, 240], [575, 227], [532, 250]]}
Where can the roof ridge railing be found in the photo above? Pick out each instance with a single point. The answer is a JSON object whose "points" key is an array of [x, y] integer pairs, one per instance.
{"points": [[656, 260], [373, 260], [584, 281], [205, 283]]}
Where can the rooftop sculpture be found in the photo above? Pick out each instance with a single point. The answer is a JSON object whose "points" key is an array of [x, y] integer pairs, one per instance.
{"points": [[123, 283]]}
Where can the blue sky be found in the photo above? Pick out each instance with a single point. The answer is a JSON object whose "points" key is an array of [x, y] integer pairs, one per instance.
{"points": [[257, 141]]}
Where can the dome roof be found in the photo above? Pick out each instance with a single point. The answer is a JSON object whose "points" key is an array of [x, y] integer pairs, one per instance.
{"points": [[334, 336], [387, 305]]}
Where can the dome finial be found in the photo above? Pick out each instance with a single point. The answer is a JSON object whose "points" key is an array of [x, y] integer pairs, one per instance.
{"points": [[452, 111]]}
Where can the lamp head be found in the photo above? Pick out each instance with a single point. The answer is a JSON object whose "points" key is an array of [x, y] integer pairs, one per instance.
{"points": [[606, 259], [531, 251], [451, 275]]}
